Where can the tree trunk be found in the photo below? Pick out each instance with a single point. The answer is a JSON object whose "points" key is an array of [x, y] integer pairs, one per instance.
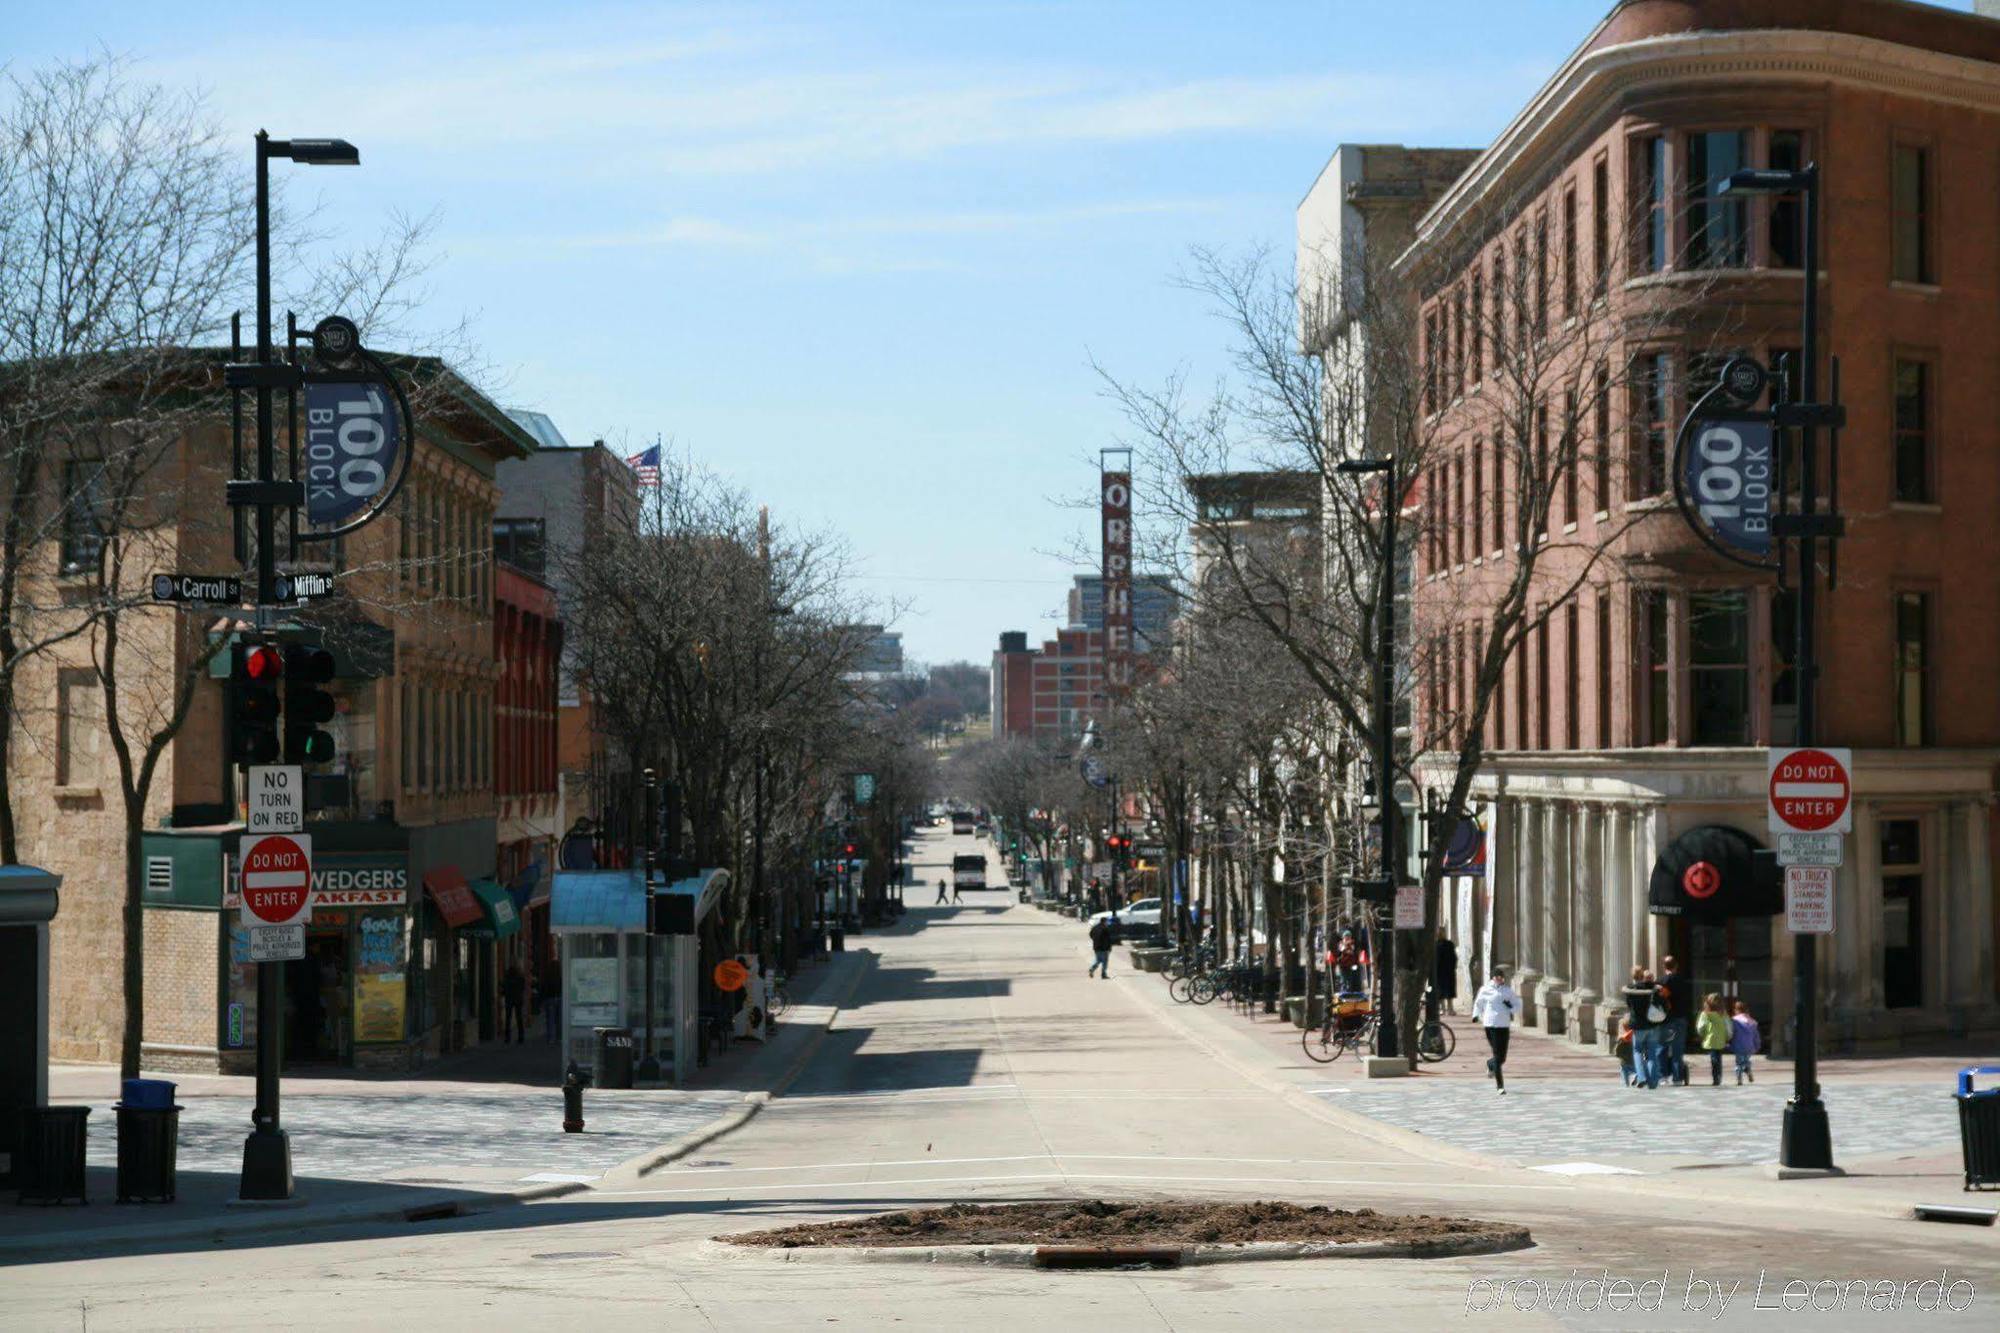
{"points": [[9, 845]]}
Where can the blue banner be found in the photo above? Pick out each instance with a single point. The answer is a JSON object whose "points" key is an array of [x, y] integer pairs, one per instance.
{"points": [[1729, 471], [353, 436]]}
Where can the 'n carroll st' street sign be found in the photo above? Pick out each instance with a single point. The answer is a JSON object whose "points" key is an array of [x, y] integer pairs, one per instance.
{"points": [[221, 589]]}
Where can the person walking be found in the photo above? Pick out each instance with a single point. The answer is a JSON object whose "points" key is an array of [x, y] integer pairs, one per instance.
{"points": [[1645, 1013], [1744, 1038], [1103, 934], [1494, 1009], [1445, 975], [942, 887], [1712, 1030], [1678, 993], [956, 895], [514, 1002], [1622, 1048]]}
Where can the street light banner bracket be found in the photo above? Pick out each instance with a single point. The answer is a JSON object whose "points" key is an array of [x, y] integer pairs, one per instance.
{"points": [[359, 435], [1725, 468]]}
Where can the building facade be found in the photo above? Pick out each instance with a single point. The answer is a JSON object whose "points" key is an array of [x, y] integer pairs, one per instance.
{"points": [[1048, 693], [1639, 709], [527, 643]]}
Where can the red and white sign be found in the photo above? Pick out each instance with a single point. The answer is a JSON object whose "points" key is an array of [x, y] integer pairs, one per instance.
{"points": [[1115, 512], [1809, 900], [1810, 791], [276, 880]]}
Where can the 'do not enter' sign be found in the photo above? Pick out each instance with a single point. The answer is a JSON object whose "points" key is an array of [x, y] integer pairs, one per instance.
{"points": [[276, 878], [1811, 791]]}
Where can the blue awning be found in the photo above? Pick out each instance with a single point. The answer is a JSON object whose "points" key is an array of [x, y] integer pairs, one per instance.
{"points": [[615, 900]]}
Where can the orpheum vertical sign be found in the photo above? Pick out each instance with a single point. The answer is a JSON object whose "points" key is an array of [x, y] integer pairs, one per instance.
{"points": [[1115, 507]]}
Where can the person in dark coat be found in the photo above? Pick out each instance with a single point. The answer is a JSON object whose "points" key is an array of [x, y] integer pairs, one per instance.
{"points": [[1103, 934], [1445, 975], [514, 1002]]}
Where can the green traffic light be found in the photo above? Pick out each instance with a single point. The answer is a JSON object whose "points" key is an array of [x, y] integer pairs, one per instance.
{"points": [[317, 748]]}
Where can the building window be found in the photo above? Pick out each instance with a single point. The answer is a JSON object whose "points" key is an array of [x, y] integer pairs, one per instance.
{"points": [[1430, 360], [84, 512], [1719, 667], [1500, 709], [1601, 458], [1541, 271], [1651, 409], [1542, 486], [1788, 215], [1569, 460], [1913, 431], [1500, 491], [1649, 185], [1542, 683], [1913, 630], [1655, 668], [1521, 693], [1573, 675], [1478, 353], [1910, 214], [1523, 295], [1600, 225], [1475, 516], [1569, 251], [424, 719], [1718, 230], [1902, 913], [1458, 367], [1604, 741], [1500, 306]]}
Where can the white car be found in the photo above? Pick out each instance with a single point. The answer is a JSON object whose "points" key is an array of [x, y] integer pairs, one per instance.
{"points": [[1133, 917]]}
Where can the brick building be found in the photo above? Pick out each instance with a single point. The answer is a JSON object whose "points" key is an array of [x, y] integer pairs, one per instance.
{"points": [[1642, 708], [527, 641], [1051, 692]]}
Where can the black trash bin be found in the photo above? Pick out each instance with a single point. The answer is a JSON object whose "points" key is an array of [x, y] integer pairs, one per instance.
{"points": [[48, 1158], [839, 936], [617, 1053], [148, 1145], [1979, 1127]]}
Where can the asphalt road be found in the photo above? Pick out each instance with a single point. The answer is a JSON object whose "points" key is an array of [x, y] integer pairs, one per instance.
{"points": [[976, 1061]]}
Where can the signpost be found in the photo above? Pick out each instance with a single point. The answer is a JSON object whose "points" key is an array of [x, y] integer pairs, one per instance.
{"points": [[1809, 900], [1810, 791], [277, 799]]}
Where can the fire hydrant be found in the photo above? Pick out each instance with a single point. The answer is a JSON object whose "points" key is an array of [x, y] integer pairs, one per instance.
{"points": [[573, 1084]]}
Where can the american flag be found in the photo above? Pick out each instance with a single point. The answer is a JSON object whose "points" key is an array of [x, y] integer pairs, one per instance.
{"points": [[646, 464]]}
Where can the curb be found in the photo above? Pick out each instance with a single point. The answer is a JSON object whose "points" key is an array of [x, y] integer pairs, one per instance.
{"points": [[648, 1162], [1026, 1256]]}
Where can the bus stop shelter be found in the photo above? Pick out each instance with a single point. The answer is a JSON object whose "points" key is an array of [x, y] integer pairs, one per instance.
{"points": [[598, 918]]}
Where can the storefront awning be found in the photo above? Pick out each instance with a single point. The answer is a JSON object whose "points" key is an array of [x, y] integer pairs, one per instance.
{"points": [[497, 906], [1712, 873], [452, 896], [606, 900]]}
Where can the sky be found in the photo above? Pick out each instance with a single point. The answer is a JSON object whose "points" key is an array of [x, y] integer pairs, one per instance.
{"points": [[857, 258]]}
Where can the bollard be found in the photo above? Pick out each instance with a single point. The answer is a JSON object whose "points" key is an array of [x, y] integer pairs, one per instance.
{"points": [[573, 1084]]}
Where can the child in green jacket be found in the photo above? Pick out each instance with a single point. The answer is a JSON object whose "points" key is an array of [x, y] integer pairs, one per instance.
{"points": [[1711, 1028]]}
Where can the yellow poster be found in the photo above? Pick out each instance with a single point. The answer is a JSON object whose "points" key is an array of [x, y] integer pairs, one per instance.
{"points": [[378, 1006]]}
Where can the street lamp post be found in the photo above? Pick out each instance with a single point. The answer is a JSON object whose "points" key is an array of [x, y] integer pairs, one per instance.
{"points": [[649, 1063], [1807, 1138], [1387, 1041], [267, 1153]]}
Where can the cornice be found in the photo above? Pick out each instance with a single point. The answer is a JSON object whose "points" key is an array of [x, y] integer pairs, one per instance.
{"points": [[1591, 80]]}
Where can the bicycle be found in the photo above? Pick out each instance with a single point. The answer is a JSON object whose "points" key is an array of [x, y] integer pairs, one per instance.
{"points": [[1334, 1038], [777, 997]]}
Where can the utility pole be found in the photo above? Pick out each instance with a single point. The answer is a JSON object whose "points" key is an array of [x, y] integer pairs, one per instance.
{"points": [[649, 1062]]}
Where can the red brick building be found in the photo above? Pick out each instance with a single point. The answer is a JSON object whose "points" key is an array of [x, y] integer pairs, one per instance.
{"points": [[527, 641], [1643, 707], [1051, 692]]}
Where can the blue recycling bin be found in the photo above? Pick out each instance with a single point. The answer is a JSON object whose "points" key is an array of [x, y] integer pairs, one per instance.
{"points": [[1979, 1126], [148, 1094]]}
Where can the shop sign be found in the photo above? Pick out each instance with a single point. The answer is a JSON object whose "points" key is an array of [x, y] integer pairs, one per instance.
{"points": [[352, 879]]}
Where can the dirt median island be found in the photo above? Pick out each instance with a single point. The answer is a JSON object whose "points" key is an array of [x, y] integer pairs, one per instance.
{"points": [[1096, 1222]]}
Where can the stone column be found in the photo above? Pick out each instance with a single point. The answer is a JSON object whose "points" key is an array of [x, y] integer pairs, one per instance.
{"points": [[1555, 914], [1587, 880], [1972, 927], [1615, 930], [1502, 949], [1528, 887], [1649, 834]]}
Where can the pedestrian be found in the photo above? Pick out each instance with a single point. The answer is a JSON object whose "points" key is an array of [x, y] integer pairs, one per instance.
{"points": [[1645, 1013], [514, 999], [1103, 934], [1744, 1038], [1445, 976], [1678, 992], [956, 896], [1712, 1030], [942, 886], [1622, 1048], [548, 994], [1494, 1009], [1347, 962]]}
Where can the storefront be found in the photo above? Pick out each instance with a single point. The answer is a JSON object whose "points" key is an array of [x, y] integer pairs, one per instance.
{"points": [[599, 920]]}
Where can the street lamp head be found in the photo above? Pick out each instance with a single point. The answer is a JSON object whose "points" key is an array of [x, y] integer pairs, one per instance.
{"points": [[1361, 467], [1763, 180], [320, 152]]}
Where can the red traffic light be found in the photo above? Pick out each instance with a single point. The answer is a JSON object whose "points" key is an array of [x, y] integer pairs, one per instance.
{"points": [[848, 850], [263, 663]]}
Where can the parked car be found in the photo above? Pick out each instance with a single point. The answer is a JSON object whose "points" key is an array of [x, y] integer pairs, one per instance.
{"points": [[1134, 918]]}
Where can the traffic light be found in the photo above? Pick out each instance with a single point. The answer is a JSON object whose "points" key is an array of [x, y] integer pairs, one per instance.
{"points": [[307, 705], [847, 851], [254, 672]]}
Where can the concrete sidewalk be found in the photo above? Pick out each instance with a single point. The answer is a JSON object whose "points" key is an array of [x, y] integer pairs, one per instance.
{"points": [[444, 1143]]}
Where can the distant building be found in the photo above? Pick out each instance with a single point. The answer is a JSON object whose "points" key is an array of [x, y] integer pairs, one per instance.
{"points": [[1050, 692], [883, 655], [1154, 605]]}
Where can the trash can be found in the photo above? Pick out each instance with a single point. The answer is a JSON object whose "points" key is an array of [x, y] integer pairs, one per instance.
{"points": [[148, 1143], [1979, 1127], [839, 935], [616, 1055], [48, 1159], [153, 1094]]}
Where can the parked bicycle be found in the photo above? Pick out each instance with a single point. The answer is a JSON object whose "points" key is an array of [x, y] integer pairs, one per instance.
{"points": [[1354, 1029]]}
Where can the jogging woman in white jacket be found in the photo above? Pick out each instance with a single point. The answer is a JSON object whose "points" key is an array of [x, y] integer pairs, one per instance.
{"points": [[1494, 1009]]}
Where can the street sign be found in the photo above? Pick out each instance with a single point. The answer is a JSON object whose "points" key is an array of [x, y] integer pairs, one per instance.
{"points": [[353, 436], [277, 799], [1726, 474], [1810, 791], [302, 587], [1809, 900], [1810, 849], [276, 878], [1409, 907], [223, 589], [277, 944], [864, 788], [1095, 771]]}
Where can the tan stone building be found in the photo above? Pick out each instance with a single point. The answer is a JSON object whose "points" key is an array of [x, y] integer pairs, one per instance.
{"points": [[1642, 709]]}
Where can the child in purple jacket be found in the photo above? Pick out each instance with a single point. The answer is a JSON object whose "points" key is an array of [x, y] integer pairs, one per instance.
{"points": [[1744, 1039]]}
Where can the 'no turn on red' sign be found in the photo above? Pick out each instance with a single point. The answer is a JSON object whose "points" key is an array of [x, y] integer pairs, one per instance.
{"points": [[1811, 791], [277, 878]]}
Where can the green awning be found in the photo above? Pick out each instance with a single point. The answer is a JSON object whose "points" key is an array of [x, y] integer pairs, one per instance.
{"points": [[501, 918]]}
